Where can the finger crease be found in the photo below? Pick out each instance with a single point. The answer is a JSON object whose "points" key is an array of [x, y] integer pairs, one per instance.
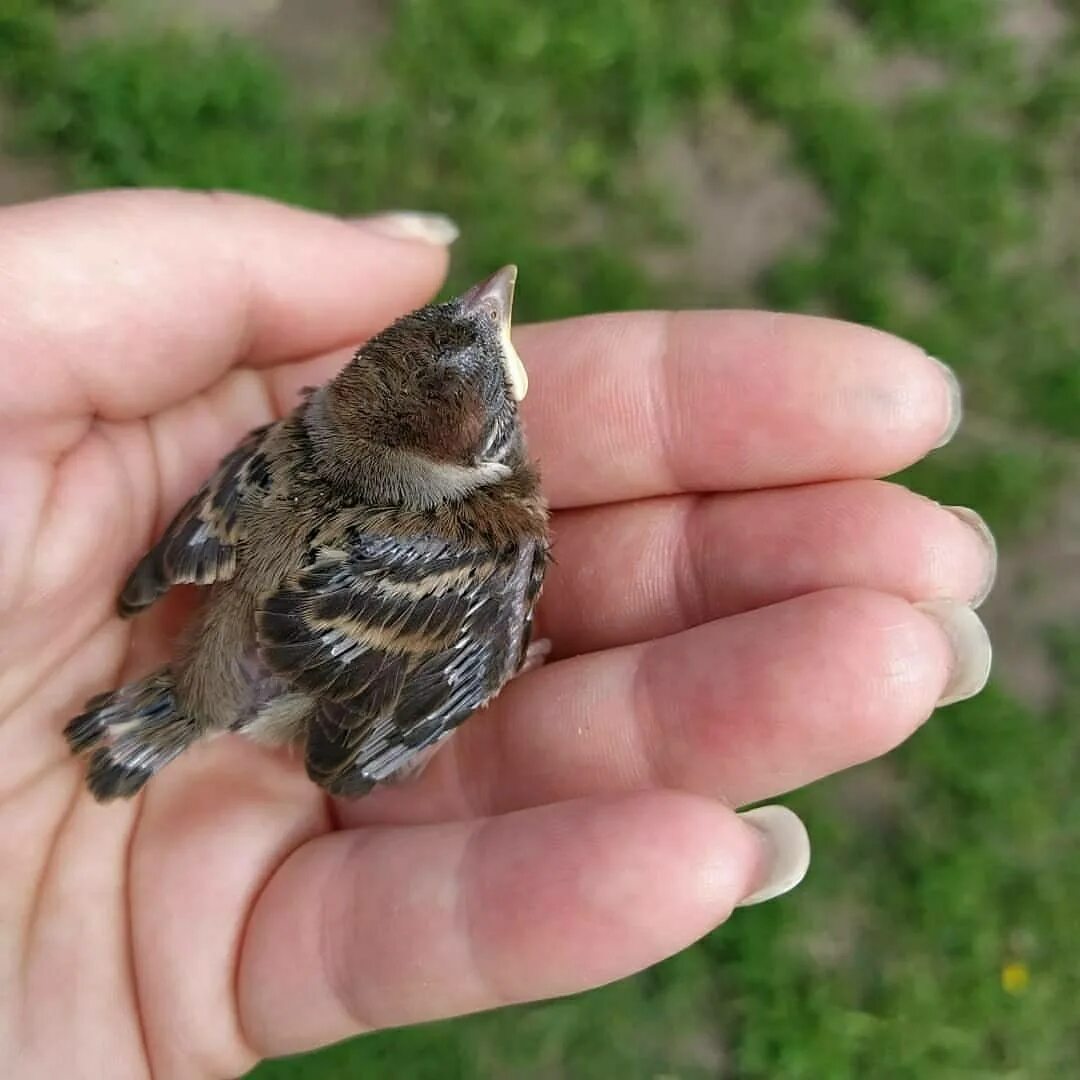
{"points": [[221, 203], [473, 918], [665, 397], [689, 583], [645, 718], [335, 959]]}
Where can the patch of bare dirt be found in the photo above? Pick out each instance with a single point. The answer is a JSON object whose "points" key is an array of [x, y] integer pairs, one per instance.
{"points": [[324, 46], [739, 197], [26, 179], [23, 178], [900, 75], [874, 794], [1036, 27], [831, 937], [237, 16], [1057, 207], [882, 78], [1059, 214]]}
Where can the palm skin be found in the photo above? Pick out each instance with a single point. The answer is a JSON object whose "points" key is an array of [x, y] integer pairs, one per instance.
{"points": [[731, 613]]}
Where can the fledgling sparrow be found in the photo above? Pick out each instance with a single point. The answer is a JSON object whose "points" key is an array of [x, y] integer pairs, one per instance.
{"points": [[373, 561]]}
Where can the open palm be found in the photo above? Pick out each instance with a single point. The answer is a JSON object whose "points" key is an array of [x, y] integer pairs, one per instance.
{"points": [[732, 613]]}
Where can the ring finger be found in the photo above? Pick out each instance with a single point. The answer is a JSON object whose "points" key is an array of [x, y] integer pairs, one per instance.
{"points": [[724, 709], [634, 571]]}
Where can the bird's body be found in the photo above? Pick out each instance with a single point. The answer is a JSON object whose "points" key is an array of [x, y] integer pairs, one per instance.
{"points": [[373, 560]]}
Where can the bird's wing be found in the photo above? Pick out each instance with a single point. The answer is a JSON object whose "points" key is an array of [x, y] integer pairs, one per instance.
{"points": [[398, 640], [199, 545]]}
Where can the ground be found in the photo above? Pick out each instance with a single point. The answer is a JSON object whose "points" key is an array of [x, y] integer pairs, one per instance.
{"points": [[907, 163]]}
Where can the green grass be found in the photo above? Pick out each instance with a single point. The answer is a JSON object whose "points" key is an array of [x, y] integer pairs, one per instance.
{"points": [[958, 29], [528, 123], [1014, 484]]}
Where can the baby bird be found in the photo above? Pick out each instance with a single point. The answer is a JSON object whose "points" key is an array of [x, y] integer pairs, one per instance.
{"points": [[373, 561]]}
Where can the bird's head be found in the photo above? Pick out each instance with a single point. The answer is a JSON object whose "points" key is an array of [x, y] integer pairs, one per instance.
{"points": [[430, 403]]}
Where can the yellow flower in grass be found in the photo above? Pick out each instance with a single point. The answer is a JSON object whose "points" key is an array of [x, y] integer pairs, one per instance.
{"points": [[1015, 977]]}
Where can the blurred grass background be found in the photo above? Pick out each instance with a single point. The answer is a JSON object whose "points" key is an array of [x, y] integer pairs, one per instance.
{"points": [[912, 164]]}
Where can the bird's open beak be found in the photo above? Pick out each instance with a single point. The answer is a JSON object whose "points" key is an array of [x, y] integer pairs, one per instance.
{"points": [[497, 293]]}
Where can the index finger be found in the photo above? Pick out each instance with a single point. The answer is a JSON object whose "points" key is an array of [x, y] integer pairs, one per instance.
{"points": [[119, 303], [637, 405]]}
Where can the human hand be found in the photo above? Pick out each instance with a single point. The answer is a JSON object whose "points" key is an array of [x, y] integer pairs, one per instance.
{"points": [[732, 613]]}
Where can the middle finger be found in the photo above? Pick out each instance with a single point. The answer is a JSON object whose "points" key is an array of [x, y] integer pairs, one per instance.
{"points": [[635, 571]]}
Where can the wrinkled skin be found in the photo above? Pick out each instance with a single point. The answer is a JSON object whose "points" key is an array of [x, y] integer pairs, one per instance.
{"points": [[732, 637]]}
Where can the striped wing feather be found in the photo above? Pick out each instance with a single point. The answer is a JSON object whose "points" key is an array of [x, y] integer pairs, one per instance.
{"points": [[200, 544], [398, 641]]}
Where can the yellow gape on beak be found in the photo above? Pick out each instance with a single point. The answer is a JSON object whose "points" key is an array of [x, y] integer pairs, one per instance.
{"points": [[498, 290], [515, 369]]}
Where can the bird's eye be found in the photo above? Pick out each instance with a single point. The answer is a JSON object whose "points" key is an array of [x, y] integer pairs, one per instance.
{"points": [[492, 314]]}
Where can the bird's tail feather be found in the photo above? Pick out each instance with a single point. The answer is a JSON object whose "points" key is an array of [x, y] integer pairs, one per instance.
{"points": [[130, 734]]}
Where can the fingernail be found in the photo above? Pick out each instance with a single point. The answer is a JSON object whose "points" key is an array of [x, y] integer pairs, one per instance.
{"points": [[956, 403], [788, 851], [970, 648], [435, 229], [976, 523]]}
